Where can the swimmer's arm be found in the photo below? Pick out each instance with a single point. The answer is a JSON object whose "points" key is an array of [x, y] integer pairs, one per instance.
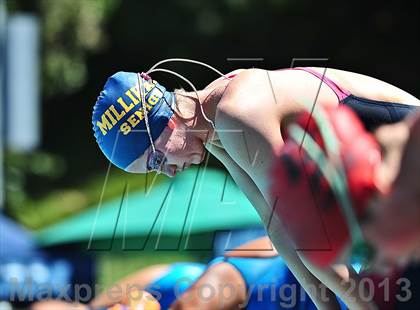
{"points": [[243, 181], [283, 245], [345, 282]]}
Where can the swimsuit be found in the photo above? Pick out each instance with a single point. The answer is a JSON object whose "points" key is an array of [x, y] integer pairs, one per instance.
{"points": [[270, 284], [372, 113]]}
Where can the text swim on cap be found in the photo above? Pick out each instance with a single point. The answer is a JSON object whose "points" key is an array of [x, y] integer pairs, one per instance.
{"points": [[118, 117]]}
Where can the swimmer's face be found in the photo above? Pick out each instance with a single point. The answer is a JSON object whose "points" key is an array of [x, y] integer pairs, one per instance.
{"points": [[179, 147]]}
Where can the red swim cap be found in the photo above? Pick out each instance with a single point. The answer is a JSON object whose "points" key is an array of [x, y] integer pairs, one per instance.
{"points": [[306, 181]]}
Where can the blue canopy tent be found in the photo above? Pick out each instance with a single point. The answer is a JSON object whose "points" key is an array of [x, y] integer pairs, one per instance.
{"points": [[15, 241]]}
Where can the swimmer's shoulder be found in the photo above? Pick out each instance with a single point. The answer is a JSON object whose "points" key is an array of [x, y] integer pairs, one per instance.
{"points": [[244, 89], [228, 76], [248, 96], [243, 81], [248, 108]]}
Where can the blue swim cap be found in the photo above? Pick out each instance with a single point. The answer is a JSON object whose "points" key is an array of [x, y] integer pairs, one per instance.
{"points": [[118, 117]]}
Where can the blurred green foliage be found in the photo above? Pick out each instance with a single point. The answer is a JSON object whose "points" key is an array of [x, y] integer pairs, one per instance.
{"points": [[22, 168], [71, 30]]}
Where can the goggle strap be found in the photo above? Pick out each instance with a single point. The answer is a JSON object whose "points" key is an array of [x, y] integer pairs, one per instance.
{"points": [[192, 86], [190, 61]]}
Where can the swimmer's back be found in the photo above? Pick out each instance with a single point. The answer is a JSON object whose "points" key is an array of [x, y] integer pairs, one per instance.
{"points": [[267, 96], [290, 86], [368, 87]]}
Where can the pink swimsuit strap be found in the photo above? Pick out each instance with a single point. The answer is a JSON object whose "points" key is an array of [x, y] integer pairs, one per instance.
{"points": [[341, 93]]}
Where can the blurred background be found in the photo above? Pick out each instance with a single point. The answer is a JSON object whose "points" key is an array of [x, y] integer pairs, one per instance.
{"points": [[55, 56]]}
